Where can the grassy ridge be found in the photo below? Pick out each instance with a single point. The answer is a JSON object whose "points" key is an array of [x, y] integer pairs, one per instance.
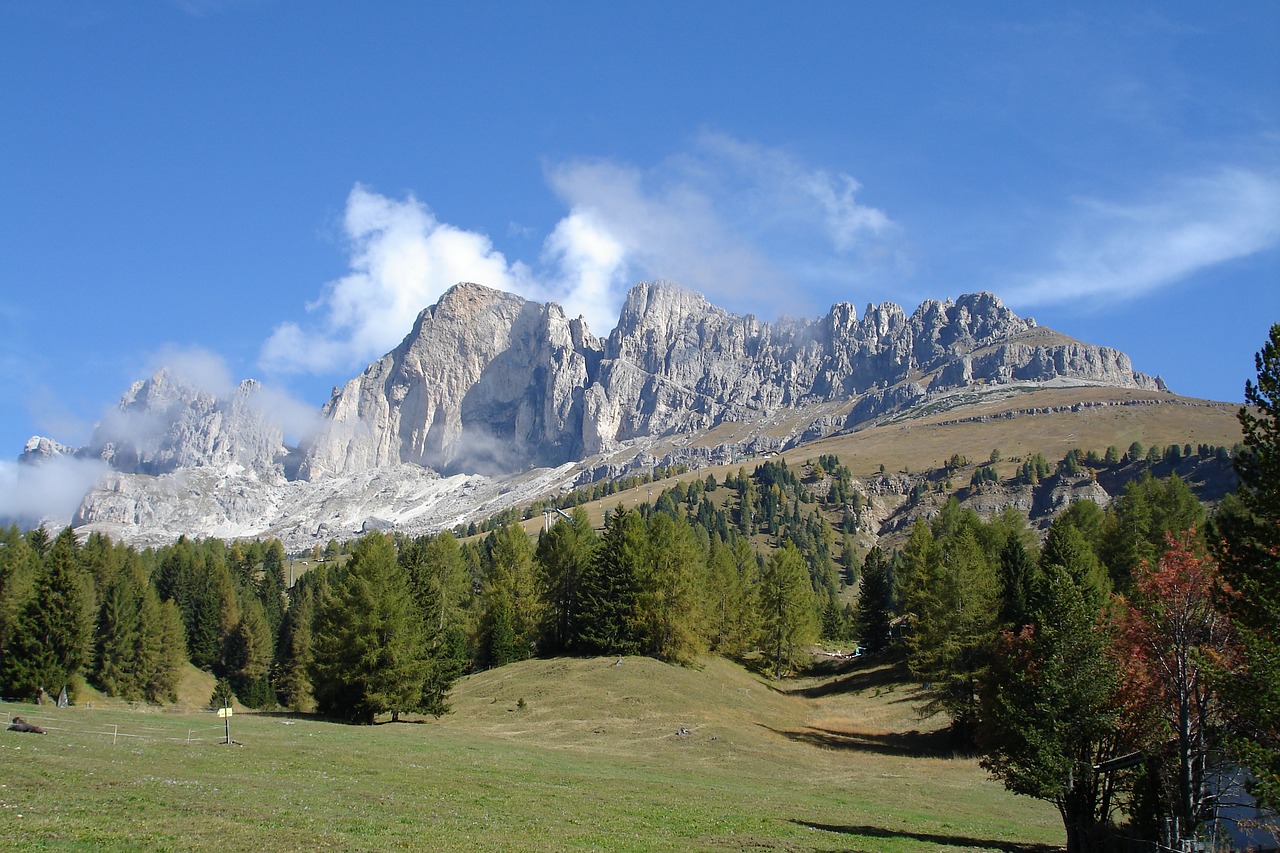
{"points": [[593, 761]]}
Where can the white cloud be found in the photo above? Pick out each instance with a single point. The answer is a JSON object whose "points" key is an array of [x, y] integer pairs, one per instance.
{"points": [[1121, 251], [402, 260], [712, 219], [48, 490]]}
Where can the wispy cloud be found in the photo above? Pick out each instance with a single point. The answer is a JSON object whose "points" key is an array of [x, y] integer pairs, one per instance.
{"points": [[1119, 251]]}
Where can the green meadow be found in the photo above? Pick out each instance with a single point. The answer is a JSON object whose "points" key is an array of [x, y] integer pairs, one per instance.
{"points": [[562, 754]]}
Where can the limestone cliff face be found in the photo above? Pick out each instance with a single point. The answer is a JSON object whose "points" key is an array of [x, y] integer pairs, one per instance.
{"points": [[485, 381], [676, 363], [490, 382]]}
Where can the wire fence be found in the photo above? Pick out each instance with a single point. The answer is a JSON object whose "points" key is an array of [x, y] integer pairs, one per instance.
{"points": [[129, 732]]}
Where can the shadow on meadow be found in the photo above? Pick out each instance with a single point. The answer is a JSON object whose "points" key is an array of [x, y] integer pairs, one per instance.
{"points": [[913, 744], [931, 838]]}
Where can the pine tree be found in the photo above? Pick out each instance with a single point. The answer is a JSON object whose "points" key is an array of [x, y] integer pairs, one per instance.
{"points": [[369, 650]]}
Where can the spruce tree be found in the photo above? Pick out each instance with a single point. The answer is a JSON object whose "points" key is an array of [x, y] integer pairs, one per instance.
{"points": [[564, 552], [51, 643], [875, 602], [609, 619], [369, 647]]}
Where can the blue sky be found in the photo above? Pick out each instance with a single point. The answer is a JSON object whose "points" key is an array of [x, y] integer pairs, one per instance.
{"points": [[274, 189]]}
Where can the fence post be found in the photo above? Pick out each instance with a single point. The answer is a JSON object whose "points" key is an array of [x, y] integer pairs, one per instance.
{"points": [[115, 727]]}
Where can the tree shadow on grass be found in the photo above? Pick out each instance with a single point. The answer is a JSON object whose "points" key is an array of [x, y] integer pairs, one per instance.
{"points": [[935, 744], [852, 680], [931, 838]]}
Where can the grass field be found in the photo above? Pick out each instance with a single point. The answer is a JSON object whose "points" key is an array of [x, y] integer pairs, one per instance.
{"points": [[592, 761]]}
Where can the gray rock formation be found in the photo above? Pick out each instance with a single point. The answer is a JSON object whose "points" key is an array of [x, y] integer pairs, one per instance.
{"points": [[487, 381], [167, 423], [489, 390]]}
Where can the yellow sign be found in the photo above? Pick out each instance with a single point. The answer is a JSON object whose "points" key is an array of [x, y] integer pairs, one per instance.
{"points": [[225, 712]]}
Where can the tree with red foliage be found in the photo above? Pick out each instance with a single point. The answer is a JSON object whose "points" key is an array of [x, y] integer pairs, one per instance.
{"points": [[1174, 638]]}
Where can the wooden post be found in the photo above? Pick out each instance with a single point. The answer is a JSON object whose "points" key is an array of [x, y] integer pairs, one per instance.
{"points": [[115, 731]]}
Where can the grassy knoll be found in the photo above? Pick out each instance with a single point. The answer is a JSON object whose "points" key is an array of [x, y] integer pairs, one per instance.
{"points": [[592, 761]]}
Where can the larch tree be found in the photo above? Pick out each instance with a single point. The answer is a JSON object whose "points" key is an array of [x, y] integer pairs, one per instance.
{"points": [[788, 617]]}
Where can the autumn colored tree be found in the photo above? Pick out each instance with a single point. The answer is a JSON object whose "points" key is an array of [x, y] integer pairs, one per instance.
{"points": [[1174, 635]]}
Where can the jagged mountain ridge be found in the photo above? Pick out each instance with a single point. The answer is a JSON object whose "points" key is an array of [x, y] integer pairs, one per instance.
{"points": [[484, 369], [488, 385]]}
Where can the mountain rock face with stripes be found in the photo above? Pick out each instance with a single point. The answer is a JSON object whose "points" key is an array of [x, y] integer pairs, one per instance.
{"points": [[491, 382], [492, 400]]}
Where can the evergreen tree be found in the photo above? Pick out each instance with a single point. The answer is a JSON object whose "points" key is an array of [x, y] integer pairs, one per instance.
{"points": [[1066, 547], [296, 644], [368, 647], [247, 655], [19, 568], [563, 554], [609, 589], [1019, 580], [1246, 532], [1139, 520], [1049, 712], [51, 638], [787, 615], [875, 602], [118, 641]]}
